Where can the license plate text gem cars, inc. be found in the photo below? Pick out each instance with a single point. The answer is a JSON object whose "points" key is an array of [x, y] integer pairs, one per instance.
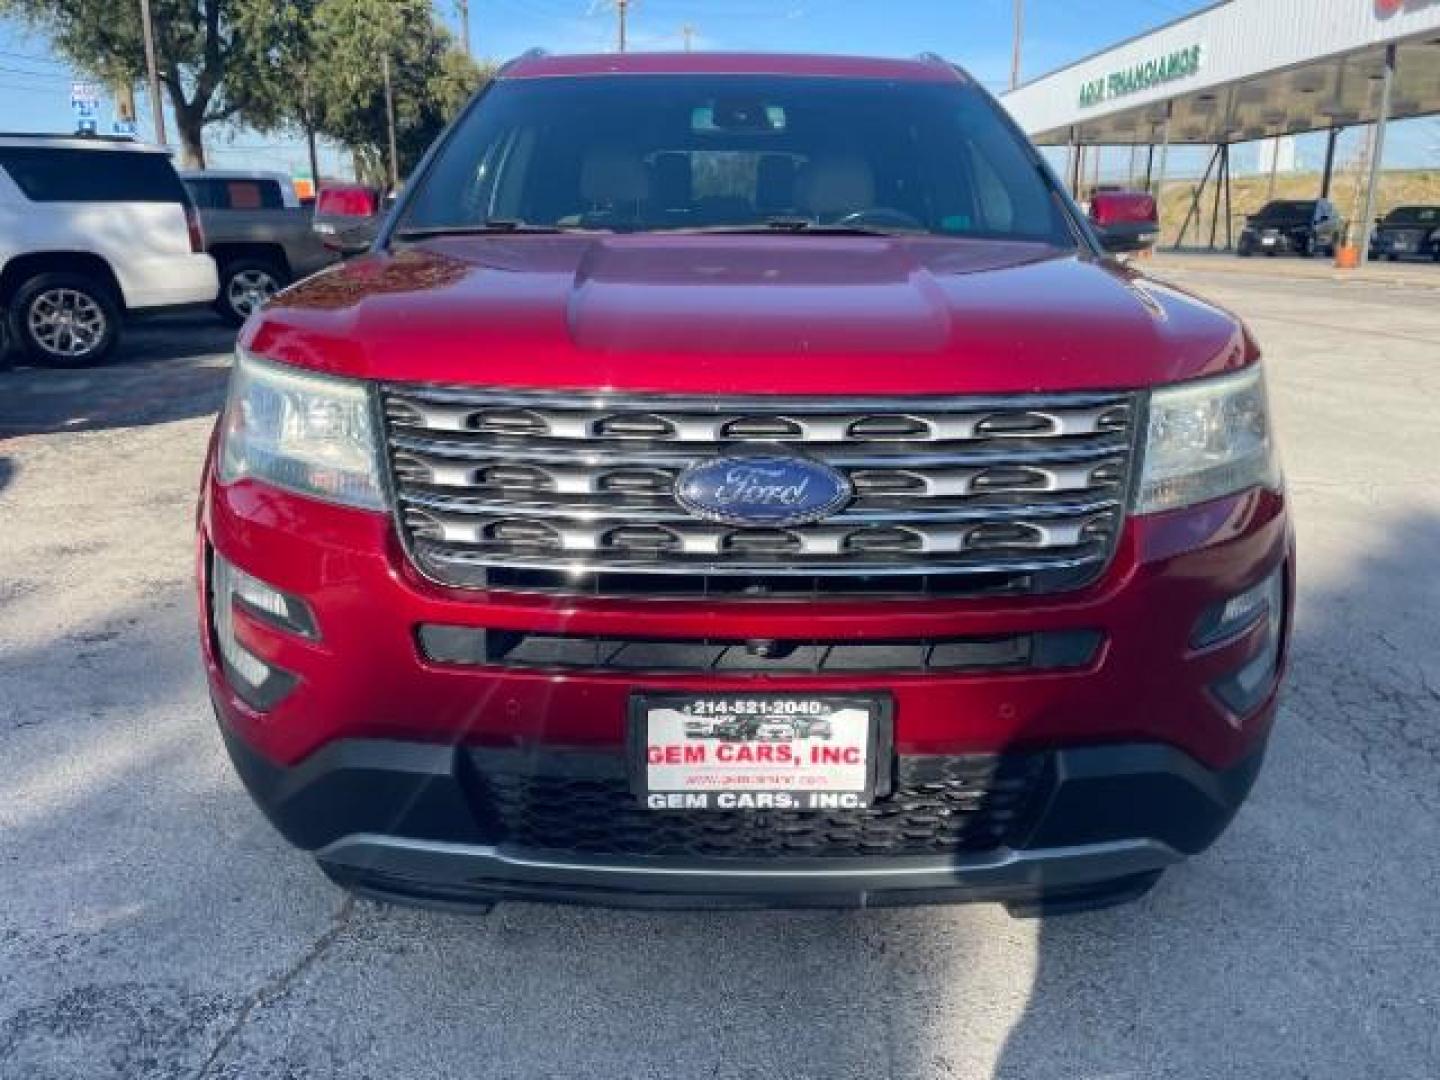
{"points": [[761, 752]]}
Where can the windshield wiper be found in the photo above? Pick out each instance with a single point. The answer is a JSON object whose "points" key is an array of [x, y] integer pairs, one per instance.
{"points": [[490, 227], [798, 225]]}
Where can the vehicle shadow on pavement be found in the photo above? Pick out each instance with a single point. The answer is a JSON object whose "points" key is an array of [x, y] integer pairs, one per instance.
{"points": [[1303, 943], [165, 370], [8, 469]]}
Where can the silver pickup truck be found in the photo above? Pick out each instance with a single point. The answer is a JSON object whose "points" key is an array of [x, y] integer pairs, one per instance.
{"points": [[258, 233]]}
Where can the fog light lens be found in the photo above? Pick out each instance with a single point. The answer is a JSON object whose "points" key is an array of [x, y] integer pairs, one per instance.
{"points": [[1242, 610], [1244, 690], [260, 684], [269, 603]]}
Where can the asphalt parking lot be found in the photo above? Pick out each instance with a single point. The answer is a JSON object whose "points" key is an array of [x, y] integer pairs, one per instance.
{"points": [[151, 924]]}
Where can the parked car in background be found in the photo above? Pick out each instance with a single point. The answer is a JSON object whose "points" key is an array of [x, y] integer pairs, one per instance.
{"points": [[93, 231], [1407, 231], [783, 389], [261, 237], [342, 206], [1124, 220], [1293, 226]]}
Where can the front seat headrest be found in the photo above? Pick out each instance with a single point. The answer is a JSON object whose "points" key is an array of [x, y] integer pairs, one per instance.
{"points": [[835, 184], [610, 176]]}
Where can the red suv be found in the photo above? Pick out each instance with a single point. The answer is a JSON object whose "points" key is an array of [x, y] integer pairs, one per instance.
{"points": [[735, 480]]}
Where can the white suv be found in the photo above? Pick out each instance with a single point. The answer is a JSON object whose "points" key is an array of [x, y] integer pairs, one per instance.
{"points": [[93, 231]]}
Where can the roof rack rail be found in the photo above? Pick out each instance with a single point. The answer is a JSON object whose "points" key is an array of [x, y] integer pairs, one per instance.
{"points": [[936, 60], [528, 54]]}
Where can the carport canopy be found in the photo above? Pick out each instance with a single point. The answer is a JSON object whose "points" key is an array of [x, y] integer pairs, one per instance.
{"points": [[1241, 70]]}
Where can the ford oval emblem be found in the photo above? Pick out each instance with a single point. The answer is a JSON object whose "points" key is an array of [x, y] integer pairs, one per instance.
{"points": [[773, 491]]}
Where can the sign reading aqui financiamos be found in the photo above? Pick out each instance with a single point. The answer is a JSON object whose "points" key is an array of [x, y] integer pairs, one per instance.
{"points": [[1179, 64]]}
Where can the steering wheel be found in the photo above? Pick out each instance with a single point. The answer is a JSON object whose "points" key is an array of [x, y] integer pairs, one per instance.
{"points": [[881, 217]]}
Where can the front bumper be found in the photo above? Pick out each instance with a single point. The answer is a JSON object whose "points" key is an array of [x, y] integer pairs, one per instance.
{"points": [[1279, 243], [365, 675], [417, 823]]}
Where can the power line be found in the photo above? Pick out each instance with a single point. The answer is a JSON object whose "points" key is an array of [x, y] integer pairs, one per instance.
{"points": [[40, 75]]}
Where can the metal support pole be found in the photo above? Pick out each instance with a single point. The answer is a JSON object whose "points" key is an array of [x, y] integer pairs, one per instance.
{"points": [[1149, 163], [1368, 222], [1160, 177], [1274, 167], [1194, 212], [1224, 153], [157, 105], [1229, 211], [1073, 164], [1329, 173], [621, 10]]}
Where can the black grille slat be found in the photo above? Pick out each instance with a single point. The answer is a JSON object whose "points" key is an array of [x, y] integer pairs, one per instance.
{"points": [[1050, 650], [953, 496]]}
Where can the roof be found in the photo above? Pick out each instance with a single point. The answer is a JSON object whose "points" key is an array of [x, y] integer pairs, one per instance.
{"points": [[536, 65], [233, 174], [59, 141]]}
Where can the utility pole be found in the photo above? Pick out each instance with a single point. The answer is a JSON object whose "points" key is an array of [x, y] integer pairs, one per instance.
{"points": [[390, 120], [1015, 49], [463, 7], [688, 33], [620, 12], [310, 129], [157, 106]]}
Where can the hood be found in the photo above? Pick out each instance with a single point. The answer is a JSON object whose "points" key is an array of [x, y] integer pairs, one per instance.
{"points": [[746, 314]]}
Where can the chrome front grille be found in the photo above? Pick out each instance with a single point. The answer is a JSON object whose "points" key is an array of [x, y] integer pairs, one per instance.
{"points": [[576, 493]]}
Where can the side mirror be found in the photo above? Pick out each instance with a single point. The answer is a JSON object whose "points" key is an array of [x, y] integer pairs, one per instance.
{"points": [[355, 240]]}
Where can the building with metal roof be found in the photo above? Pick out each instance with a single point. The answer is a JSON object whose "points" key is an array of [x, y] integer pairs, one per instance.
{"points": [[1241, 70]]}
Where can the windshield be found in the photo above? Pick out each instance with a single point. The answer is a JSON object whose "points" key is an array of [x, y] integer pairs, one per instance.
{"points": [[1414, 215], [652, 153], [1287, 211]]}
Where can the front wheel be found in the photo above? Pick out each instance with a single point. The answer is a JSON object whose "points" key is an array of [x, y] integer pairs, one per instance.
{"points": [[66, 320], [245, 285]]}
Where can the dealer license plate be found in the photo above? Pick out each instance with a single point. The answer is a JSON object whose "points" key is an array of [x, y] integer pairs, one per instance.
{"points": [[758, 751]]}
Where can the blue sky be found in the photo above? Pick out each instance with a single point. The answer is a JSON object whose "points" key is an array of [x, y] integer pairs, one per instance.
{"points": [[34, 85]]}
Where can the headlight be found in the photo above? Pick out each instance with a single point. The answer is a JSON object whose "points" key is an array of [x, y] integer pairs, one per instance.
{"points": [[1207, 439], [308, 433]]}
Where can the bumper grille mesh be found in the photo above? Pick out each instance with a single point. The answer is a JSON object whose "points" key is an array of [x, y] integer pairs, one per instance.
{"points": [[527, 490], [940, 806]]}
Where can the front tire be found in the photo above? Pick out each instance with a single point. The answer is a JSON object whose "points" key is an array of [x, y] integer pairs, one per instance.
{"points": [[245, 285], [66, 320]]}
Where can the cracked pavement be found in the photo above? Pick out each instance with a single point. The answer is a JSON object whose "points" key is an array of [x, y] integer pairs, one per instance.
{"points": [[152, 925]]}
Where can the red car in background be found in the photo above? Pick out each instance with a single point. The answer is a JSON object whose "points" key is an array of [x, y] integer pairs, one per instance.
{"points": [[1125, 221], [340, 206], [738, 479]]}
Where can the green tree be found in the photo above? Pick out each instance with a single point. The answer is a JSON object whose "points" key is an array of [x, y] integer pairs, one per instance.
{"points": [[431, 78], [210, 70]]}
